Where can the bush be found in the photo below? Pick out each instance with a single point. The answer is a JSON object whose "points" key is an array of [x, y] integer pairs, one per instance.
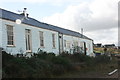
{"points": [[16, 68], [58, 69], [44, 65], [6, 57], [102, 59], [79, 58]]}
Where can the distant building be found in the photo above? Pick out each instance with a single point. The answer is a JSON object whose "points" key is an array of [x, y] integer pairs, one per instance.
{"points": [[109, 46], [98, 45], [118, 47]]}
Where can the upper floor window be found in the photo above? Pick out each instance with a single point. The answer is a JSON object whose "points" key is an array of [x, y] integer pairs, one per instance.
{"points": [[41, 39], [10, 35], [53, 40]]}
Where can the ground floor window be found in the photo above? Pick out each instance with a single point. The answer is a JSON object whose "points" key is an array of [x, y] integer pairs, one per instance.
{"points": [[68, 44], [41, 39], [53, 40], [10, 35], [64, 43], [28, 39]]}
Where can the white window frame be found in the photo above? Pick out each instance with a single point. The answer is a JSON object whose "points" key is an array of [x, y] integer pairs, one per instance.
{"points": [[28, 40], [75, 43], [41, 34], [53, 41], [65, 43], [10, 34], [68, 44]]}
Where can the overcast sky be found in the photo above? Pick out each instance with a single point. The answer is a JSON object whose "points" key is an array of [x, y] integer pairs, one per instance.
{"points": [[98, 18]]}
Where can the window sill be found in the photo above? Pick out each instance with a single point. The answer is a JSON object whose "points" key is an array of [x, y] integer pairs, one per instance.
{"points": [[54, 48], [28, 51], [42, 47], [10, 45]]}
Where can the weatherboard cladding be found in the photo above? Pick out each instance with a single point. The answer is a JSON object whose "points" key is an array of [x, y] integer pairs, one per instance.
{"points": [[13, 16]]}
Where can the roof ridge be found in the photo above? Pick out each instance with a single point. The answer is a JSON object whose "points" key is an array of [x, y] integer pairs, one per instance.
{"points": [[8, 11]]}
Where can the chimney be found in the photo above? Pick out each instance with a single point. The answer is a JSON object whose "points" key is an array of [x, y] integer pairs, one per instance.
{"points": [[25, 12], [82, 31]]}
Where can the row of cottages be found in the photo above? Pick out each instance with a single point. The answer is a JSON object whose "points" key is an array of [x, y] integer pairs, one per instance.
{"points": [[31, 35]]}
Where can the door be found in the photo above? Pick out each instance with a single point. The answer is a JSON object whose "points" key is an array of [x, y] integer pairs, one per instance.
{"points": [[85, 48]]}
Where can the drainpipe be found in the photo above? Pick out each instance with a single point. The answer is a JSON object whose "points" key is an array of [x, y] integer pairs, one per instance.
{"points": [[59, 42]]}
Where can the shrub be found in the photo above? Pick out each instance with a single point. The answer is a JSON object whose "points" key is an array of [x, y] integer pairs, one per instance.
{"points": [[58, 69], [44, 65], [65, 54], [80, 57], [16, 68], [60, 60], [6, 57], [102, 59]]}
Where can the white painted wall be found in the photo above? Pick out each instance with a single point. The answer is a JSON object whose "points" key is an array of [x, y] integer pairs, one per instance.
{"points": [[0, 33], [19, 36], [89, 46], [71, 39]]}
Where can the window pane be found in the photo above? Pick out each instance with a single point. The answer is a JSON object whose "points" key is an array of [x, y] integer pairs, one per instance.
{"points": [[8, 43], [28, 39], [11, 42], [53, 40], [64, 43], [41, 39]]}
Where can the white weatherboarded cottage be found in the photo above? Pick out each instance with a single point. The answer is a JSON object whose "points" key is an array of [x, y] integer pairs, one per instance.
{"points": [[31, 35]]}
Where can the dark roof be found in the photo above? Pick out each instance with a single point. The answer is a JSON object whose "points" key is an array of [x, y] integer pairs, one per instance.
{"points": [[8, 15], [109, 45]]}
